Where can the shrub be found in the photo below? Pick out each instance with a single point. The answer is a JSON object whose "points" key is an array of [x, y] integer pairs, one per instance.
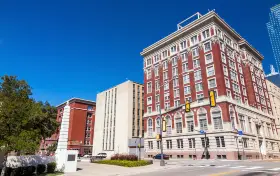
{"points": [[124, 163], [51, 167], [41, 168], [28, 170], [124, 157], [16, 171]]}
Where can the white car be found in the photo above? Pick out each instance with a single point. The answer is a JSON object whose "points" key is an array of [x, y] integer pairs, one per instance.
{"points": [[87, 156]]}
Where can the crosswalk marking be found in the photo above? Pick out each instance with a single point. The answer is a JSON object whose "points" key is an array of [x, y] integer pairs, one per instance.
{"points": [[274, 169]]}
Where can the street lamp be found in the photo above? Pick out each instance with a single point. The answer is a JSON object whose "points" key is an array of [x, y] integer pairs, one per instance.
{"points": [[139, 147]]}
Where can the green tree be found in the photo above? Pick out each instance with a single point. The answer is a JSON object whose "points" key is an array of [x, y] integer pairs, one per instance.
{"points": [[52, 148], [23, 121]]}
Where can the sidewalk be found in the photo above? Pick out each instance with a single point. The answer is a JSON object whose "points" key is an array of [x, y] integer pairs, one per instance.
{"points": [[90, 169]]}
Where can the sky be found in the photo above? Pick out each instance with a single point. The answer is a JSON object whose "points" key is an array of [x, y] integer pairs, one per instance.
{"points": [[78, 48]]}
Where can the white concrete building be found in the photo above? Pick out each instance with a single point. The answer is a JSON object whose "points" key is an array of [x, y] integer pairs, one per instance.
{"points": [[118, 125]]}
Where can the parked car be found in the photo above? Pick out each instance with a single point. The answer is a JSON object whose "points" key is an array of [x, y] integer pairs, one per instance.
{"points": [[101, 155], [87, 156], [158, 156]]}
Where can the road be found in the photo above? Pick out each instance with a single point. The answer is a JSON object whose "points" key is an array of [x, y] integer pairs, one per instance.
{"points": [[218, 168]]}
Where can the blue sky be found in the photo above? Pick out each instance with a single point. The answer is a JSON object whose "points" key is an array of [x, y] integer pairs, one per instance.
{"points": [[77, 48]]}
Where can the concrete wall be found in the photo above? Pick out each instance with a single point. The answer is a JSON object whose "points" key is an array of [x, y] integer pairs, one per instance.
{"points": [[23, 161]]}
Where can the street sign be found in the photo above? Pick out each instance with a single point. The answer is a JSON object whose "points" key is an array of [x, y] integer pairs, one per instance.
{"points": [[202, 132], [212, 98], [187, 106], [240, 132]]}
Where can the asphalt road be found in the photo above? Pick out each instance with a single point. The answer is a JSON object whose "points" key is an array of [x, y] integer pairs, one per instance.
{"points": [[218, 168]]}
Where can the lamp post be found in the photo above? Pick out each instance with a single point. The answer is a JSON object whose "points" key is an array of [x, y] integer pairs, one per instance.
{"points": [[139, 147]]}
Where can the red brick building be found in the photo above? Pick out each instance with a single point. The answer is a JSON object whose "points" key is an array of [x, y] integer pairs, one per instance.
{"points": [[81, 126], [207, 54]]}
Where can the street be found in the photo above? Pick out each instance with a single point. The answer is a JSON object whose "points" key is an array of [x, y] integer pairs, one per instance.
{"points": [[219, 168]]}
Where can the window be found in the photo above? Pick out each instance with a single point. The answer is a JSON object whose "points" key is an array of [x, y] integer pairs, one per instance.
{"points": [[228, 93], [175, 71], [210, 71], [206, 34], [217, 119], [202, 119], [187, 90], [191, 142], [222, 46], [197, 75], [149, 87], [149, 100], [168, 125], [150, 127], [149, 73], [156, 58], [200, 97], [203, 142], [164, 54], [174, 61], [166, 96], [242, 80], [149, 61], [212, 83], [223, 58], [165, 75], [245, 142], [196, 63], [185, 67], [175, 82], [225, 70], [167, 105], [150, 143], [240, 69], [207, 46], [244, 91], [186, 79], [183, 45], [176, 93], [194, 40], [232, 64], [195, 52], [190, 124], [158, 121], [156, 70], [235, 87], [149, 109], [169, 144], [177, 103], [158, 144], [198, 87], [242, 122], [173, 49], [250, 125], [227, 40], [220, 141], [219, 33], [157, 98], [233, 76], [166, 85], [184, 57], [157, 85], [208, 58], [178, 121], [227, 83], [165, 65], [180, 143]]}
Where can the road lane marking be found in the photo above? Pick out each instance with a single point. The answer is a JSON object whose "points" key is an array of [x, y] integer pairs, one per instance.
{"points": [[274, 169], [252, 168], [236, 167], [222, 166], [224, 173]]}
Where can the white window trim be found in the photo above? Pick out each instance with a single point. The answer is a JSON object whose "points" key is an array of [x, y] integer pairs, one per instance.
{"points": [[198, 83], [209, 84], [151, 100], [148, 109], [206, 60], [209, 67], [151, 87], [204, 46]]}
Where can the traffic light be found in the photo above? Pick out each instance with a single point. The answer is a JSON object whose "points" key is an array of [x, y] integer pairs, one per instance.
{"points": [[158, 137], [187, 106], [212, 98], [163, 125]]}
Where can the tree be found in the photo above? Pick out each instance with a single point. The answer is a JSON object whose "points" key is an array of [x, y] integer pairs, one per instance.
{"points": [[52, 148], [23, 121]]}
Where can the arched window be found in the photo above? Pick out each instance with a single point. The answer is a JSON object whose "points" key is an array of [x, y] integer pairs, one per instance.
{"points": [[150, 127], [168, 125], [202, 116], [158, 125], [189, 119], [178, 121], [217, 118]]}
